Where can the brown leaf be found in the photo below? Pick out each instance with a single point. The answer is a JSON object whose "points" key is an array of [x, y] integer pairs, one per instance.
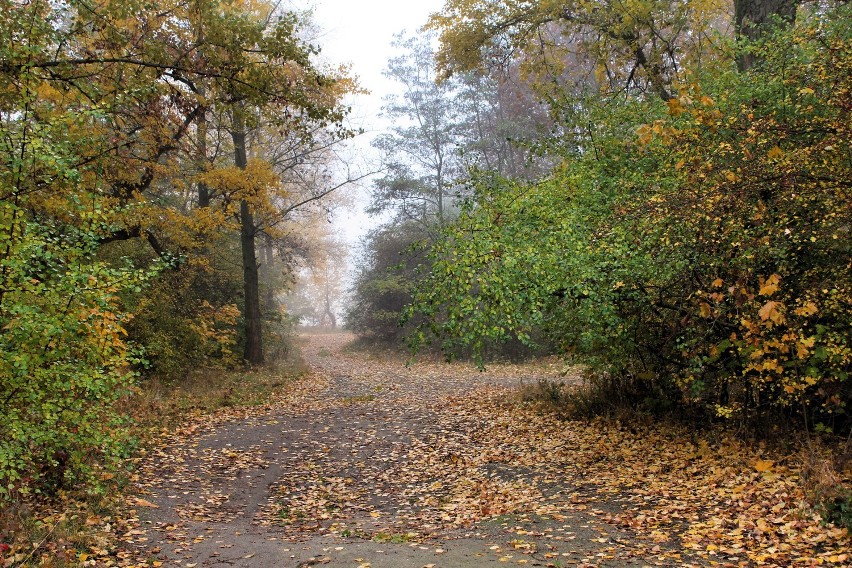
{"points": [[139, 502]]}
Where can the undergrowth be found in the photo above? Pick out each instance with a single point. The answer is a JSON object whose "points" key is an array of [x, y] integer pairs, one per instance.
{"points": [[73, 525]]}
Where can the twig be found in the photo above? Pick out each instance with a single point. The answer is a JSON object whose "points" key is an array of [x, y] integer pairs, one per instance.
{"points": [[39, 545]]}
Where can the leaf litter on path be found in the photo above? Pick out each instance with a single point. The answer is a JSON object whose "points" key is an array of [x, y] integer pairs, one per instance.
{"points": [[440, 464]]}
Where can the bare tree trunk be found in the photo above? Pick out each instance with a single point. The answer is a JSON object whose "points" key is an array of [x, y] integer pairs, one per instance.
{"points": [[203, 190], [332, 319], [248, 232], [752, 18], [269, 303]]}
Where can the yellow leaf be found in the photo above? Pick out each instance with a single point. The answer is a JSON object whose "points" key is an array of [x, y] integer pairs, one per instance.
{"points": [[806, 91], [763, 465], [770, 286], [804, 346], [730, 176], [705, 309], [644, 134], [675, 108], [775, 153], [718, 283]]}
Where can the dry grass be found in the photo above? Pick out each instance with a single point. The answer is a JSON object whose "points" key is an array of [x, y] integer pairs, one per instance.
{"points": [[827, 478]]}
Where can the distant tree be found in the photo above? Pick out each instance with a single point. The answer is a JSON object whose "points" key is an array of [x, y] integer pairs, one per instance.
{"points": [[317, 295], [443, 132], [421, 148], [385, 280]]}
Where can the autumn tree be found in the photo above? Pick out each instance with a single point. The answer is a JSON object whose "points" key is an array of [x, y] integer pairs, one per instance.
{"points": [[72, 109], [100, 102], [635, 47]]}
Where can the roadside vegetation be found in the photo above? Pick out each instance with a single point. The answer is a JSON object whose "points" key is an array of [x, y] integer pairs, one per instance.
{"points": [[657, 193]]}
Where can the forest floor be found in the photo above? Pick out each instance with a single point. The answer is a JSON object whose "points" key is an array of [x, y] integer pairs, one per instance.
{"points": [[367, 462]]}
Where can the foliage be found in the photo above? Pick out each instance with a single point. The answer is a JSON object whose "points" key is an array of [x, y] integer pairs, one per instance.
{"points": [[101, 112], [699, 244], [637, 46], [64, 362]]}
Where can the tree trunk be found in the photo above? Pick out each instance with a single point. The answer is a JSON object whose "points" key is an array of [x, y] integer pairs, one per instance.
{"points": [[203, 190], [251, 284], [270, 305], [752, 18], [332, 319]]}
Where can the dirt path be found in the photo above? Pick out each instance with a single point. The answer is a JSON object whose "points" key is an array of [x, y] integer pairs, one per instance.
{"points": [[370, 463]]}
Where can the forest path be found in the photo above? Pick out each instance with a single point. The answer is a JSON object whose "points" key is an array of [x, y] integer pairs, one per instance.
{"points": [[368, 463]]}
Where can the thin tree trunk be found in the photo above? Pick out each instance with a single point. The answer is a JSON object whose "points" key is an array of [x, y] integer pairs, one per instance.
{"points": [[328, 313], [203, 190], [202, 163], [269, 304], [251, 285], [752, 18]]}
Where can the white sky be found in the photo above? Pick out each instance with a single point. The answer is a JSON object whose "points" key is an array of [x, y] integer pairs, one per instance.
{"points": [[359, 32]]}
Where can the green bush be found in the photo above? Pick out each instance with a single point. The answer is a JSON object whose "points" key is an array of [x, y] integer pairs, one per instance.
{"points": [[64, 363], [698, 245]]}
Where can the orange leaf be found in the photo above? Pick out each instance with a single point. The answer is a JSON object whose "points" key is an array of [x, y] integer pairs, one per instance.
{"points": [[808, 309], [771, 311], [142, 503]]}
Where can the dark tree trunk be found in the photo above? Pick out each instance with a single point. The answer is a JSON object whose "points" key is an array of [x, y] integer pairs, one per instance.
{"points": [[332, 319], [248, 232], [203, 190], [752, 17]]}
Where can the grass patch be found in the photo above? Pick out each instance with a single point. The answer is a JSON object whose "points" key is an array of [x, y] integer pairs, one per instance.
{"points": [[394, 538], [550, 394], [63, 532], [207, 391]]}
